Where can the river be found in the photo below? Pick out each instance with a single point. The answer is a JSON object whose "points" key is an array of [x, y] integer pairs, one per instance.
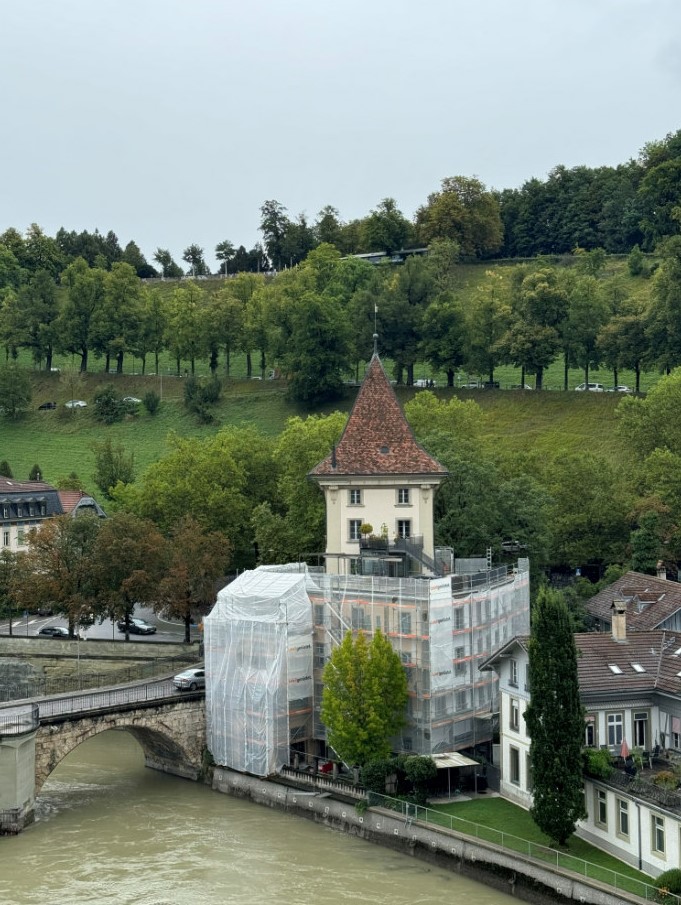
{"points": [[110, 831]]}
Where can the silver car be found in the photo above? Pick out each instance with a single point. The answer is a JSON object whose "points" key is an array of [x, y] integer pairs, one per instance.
{"points": [[190, 679]]}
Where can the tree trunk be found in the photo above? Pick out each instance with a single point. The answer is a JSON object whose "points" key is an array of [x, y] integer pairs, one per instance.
{"points": [[193, 364], [83, 360], [566, 376], [48, 359], [213, 361], [227, 361], [539, 379], [586, 375], [638, 377], [450, 377], [522, 377], [144, 364], [119, 363], [249, 364], [156, 362], [187, 627], [177, 362], [615, 377], [410, 374]]}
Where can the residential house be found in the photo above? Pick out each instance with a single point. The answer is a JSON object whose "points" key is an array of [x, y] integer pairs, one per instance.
{"points": [[27, 504], [630, 685], [651, 603]]}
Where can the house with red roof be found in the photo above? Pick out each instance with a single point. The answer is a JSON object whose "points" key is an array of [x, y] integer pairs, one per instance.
{"points": [[25, 505], [379, 485], [630, 687]]}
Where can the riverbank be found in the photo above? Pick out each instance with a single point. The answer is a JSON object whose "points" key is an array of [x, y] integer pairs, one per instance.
{"points": [[508, 872]]}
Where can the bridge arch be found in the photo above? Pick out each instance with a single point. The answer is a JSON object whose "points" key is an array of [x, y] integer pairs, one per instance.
{"points": [[172, 737]]}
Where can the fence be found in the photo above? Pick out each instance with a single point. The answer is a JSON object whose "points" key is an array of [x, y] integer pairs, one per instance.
{"points": [[111, 698], [510, 843], [19, 719], [43, 686]]}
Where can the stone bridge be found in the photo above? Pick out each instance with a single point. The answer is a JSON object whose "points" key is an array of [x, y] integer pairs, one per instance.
{"points": [[35, 737]]}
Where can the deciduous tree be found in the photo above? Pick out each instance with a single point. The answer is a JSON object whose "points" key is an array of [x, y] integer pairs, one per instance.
{"points": [[364, 698]]}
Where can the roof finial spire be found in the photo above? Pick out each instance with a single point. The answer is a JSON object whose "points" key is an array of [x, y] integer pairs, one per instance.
{"points": [[375, 343]]}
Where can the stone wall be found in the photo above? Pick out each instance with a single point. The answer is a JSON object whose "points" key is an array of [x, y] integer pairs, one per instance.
{"points": [[54, 659], [172, 736], [509, 872]]}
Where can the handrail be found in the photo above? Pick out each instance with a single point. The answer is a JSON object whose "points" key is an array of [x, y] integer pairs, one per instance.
{"points": [[560, 860], [19, 720]]}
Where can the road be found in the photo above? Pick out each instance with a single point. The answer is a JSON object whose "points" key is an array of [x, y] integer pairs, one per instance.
{"points": [[166, 631]]}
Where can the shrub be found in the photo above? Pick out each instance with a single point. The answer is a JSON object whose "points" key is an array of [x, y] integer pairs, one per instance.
{"points": [[151, 401], [109, 405], [636, 261], [5, 470], [35, 473], [670, 881], [598, 762], [666, 779], [199, 395]]}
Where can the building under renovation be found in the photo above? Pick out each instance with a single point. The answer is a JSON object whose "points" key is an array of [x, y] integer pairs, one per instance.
{"points": [[273, 629]]}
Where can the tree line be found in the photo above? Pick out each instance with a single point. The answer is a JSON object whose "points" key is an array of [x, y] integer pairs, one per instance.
{"points": [[314, 323]]}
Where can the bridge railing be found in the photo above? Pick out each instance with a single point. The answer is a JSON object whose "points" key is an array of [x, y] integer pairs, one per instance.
{"points": [[17, 720], [105, 699], [44, 686]]}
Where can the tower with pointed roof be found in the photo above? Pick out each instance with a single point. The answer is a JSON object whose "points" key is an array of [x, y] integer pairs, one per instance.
{"points": [[379, 485]]}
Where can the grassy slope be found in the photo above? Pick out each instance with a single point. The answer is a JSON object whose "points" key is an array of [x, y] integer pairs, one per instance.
{"points": [[61, 441]]}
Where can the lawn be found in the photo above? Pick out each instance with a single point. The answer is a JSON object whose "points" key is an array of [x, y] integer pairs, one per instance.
{"points": [[480, 818], [60, 441]]}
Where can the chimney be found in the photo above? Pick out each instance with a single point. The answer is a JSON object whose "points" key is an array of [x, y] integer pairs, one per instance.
{"points": [[619, 620], [661, 571]]}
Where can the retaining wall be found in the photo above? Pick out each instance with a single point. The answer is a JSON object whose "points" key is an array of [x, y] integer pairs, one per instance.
{"points": [[508, 872]]}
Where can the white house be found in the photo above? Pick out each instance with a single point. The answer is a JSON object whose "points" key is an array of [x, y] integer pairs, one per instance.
{"points": [[630, 685]]}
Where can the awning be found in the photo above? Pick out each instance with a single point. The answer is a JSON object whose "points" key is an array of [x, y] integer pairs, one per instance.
{"points": [[453, 759]]}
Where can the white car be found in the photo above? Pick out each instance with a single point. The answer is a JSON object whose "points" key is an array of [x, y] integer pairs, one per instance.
{"points": [[622, 389], [190, 679], [591, 387], [75, 404], [132, 400]]}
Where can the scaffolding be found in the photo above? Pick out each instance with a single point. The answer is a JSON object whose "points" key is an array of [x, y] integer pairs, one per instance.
{"points": [[269, 649]]}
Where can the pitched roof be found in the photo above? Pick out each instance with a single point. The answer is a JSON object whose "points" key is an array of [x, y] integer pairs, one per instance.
{"points": [[646, 661], [377, 438], [71, 500], [9, 485], [649, 600]]}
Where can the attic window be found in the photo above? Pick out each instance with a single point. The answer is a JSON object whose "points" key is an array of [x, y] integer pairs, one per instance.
{"points": [[614, 668], [637, 667], [384, 449]]}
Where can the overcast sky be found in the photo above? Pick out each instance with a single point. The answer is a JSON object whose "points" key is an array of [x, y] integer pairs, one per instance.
{"points": [[171, 121]]}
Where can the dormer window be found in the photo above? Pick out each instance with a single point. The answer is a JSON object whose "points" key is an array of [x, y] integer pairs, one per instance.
{"points": [[354, 497]]}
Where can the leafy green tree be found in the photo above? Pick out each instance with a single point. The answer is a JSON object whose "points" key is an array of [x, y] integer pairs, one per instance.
{"points": [[127, 563], [5, 469], [9, 570], [291, 520], [133, 256], [663, 318], [112, 465], [85, 294], [623, 344], [588, 312], [169, 268], [555, 714], [274, 223], [444, 335], [316, 350], [298, 241], [224, 252], [194, 256], [364, 699], [15, 390], [646, 544], [636, 262], [540, 306], [463, 210], [197, 560], [108, 405], [652, 423], [328, 226], [488, 319], [41, 252], [56, 569], [186, 337], [35, 474], [386, 228], [115, 326], [35, 315]]}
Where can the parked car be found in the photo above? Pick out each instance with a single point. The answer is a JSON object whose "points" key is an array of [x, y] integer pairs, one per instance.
{"points": [[45, 611], [591, 387], [137, 627], [47, 406], [190, 679], [132, 400], [521, 386], [54, 631], [620, 388], [512, 546], [75, 404]]}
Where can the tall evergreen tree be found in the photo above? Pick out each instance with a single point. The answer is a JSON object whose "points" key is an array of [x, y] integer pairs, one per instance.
{"points": [[555, 720]]}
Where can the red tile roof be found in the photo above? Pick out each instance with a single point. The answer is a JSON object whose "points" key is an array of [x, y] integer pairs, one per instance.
{"points": [[377, 438], [649, 600], [70, 499]]}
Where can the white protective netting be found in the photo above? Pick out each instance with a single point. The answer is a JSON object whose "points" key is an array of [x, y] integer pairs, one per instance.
{"points": [[258, 650]]}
